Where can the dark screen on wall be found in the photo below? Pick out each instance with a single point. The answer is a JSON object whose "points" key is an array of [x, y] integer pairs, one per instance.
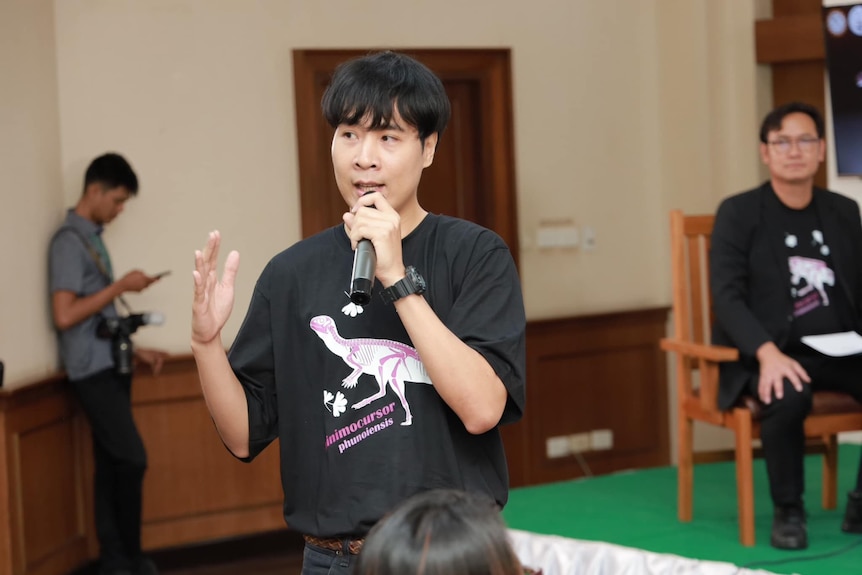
{"points": [[842, 26]]}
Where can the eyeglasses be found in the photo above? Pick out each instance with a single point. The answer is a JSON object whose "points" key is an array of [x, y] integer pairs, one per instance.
{"points": [[784, 145]]}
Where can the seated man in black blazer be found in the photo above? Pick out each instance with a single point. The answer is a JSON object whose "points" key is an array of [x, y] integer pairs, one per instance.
{"points": [[785, 262]]}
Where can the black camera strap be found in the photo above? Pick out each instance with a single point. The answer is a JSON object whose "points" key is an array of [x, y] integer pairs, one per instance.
{"points": [[100, 263]]}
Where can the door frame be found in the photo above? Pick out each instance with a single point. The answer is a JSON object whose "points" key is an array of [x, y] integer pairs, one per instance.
{"points": [[490, 68]]}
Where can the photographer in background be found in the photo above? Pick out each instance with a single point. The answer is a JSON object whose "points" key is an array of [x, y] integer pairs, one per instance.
{"points": [[83, 291]]}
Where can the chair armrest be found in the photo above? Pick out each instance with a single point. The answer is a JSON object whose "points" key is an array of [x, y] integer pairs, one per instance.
{"points": [[705, 358], [699, 350]]}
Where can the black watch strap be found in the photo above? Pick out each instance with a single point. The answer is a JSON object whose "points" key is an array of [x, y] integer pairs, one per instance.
{"points": [[410, 284]]}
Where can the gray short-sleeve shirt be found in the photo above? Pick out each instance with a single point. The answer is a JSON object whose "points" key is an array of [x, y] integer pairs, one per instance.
{"points": [[72, 267]]}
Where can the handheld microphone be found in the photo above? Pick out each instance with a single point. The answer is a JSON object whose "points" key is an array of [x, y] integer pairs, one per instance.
{"points": [[362, 277]]}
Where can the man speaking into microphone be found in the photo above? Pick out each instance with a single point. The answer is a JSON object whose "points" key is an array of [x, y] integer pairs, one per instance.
{"points": [[371, 402]]}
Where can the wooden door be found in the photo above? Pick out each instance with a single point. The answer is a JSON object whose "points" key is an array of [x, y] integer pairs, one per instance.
{"points": [[472, 176]]}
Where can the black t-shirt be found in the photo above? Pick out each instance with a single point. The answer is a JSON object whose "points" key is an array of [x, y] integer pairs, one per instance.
{"points": [[817, 299], [359, 423]]}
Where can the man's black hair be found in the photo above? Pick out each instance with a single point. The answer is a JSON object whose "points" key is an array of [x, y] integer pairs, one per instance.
{"points": [[774, 119], [368, 88], [111, 171]]}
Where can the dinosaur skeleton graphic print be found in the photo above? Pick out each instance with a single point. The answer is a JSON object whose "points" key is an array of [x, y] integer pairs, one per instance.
{"points": [[391, 363], [359, 422], [812, 278]]}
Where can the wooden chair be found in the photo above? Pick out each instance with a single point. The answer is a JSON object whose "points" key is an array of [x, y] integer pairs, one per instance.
{"points": [[692, 316]]}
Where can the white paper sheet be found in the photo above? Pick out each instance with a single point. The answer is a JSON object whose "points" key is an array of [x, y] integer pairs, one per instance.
{"points": [[835, 344]]}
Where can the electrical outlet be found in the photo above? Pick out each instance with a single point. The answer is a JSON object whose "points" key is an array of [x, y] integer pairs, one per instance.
{"points": [[557, 236], [557, 447], [579, 442], [602, 439]]}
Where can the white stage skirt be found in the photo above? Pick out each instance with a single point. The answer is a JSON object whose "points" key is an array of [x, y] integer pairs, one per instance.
{"points": [[556, 555]]}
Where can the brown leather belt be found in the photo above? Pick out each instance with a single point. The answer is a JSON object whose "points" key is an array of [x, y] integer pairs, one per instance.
{"points": [[334, 544]]}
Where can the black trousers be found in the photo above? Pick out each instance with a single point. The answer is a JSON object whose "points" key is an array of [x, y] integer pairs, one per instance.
{"points": [[781, 428], [120, 463]]}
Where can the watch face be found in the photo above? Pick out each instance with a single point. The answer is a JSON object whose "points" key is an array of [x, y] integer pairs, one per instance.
{"points": [[417, 279]]}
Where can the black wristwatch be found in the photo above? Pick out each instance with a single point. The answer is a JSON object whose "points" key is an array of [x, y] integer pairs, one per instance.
{"points": [[408, 285]]}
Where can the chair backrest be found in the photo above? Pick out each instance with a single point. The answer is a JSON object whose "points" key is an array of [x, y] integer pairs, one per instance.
{"points": [[692, 300]]}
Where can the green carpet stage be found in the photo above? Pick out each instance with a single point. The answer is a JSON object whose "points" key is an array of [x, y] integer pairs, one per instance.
{"points": [[638, 509]]}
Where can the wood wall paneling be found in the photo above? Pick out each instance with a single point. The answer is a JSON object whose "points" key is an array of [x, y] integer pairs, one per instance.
{"points": [[592, 373], [5, 500], [46, 456], [795, 7], [44, 527], [194, 489], [796, 38]]}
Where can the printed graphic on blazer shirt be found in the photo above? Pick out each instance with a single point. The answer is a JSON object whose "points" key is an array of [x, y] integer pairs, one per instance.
{"points": [[390, 365], [811, 278]]}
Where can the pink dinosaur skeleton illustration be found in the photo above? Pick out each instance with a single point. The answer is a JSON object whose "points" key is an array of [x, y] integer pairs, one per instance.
{"points": [[815, 273], [390, 362]]}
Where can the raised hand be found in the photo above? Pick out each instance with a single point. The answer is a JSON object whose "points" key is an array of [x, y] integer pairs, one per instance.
{"points": [[213, 299]]}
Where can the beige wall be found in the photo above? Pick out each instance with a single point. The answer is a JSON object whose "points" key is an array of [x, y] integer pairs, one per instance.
{"points": [[30, 182], [624, 109]]}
